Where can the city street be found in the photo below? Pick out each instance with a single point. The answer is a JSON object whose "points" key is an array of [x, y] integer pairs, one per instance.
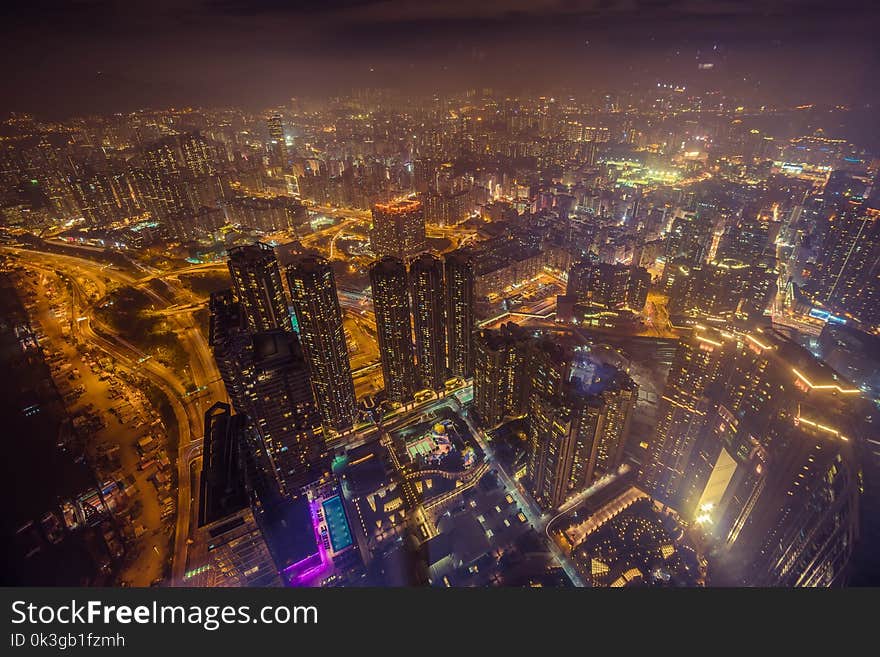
{"points": [[188, 407]]}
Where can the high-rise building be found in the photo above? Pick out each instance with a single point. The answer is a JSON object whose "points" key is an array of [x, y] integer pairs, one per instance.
{"points": [[688, 243], [277, 144], [849, 267], [496, 371], [637, 291], [228, 548], [460, 323], [426, 289], [100, 199], [279, 402], [721, 288], [811, 525], [393, 327], [446, 209], [746, 240], [800, 525], [579, 433], [682, 413], [591, 152], [727, 468], [544, 366], [312, 288], [600, 283], [198, 155], [510, 364], [754, 447], [256, 280], [230, 343], [853, 353], [398, 229]]}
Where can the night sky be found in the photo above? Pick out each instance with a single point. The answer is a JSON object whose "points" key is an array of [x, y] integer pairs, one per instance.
{"points": [[77, 56]]}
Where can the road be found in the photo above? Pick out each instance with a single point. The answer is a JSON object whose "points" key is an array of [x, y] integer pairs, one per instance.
{"points": [[188, 406], [51, 294], [537, 518], [412, 414]]}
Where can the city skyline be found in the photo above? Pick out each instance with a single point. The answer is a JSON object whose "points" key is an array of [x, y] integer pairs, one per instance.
{"points": [[554, 294], [193, 52]]}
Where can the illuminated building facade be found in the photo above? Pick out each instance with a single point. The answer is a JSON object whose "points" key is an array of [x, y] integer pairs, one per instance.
{"points": [[849, 267], [800, 525], [228, 545], [230, 342], [727, 469], [101, 199], [754, 445], [810, 539], [578, 434], [268, 215], [497, 374], [608, 286], [682, 413], [688, 243], [256, 280], [277, 144], [511, 366], [279, 402], [393, 327], [460, 314], [429, 322], [746, 240], [721, 288], [446, 209], [398, 229], [312, 288], [637, 291]]}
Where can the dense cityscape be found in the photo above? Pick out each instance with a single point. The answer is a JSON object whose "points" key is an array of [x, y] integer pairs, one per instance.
{"points": [[624, 337]]}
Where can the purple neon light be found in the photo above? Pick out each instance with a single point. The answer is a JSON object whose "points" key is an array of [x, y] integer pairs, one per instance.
{"points": [[313, 572]]}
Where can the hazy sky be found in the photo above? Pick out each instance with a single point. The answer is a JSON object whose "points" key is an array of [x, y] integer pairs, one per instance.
{"points": [[64, 56]]}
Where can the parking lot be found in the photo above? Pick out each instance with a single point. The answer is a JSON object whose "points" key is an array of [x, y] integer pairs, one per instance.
{"points": [[121, 433]]}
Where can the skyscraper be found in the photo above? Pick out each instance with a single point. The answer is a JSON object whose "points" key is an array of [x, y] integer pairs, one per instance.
{"points": [[256, 279], [800, 528], [682, 413], [198, 154], [754, 446], [850, 263], [637, 292], [228, 548], [230, 343], [688, 243], [497, 356], [578, 434], [511, 364], [393, 328], [279, 402], [426, 289], [460, 314], [726, 469], [398, 229], [322, 334], [599, 283], [277, 144]]}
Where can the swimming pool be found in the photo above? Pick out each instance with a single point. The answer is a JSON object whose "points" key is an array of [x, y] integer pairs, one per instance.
{"points": [[337, 524]]}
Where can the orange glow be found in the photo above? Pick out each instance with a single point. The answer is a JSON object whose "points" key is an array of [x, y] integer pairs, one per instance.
{"points": [[758, 343], [703, 338], [825, 386], [401, 206], [821, 427]]}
